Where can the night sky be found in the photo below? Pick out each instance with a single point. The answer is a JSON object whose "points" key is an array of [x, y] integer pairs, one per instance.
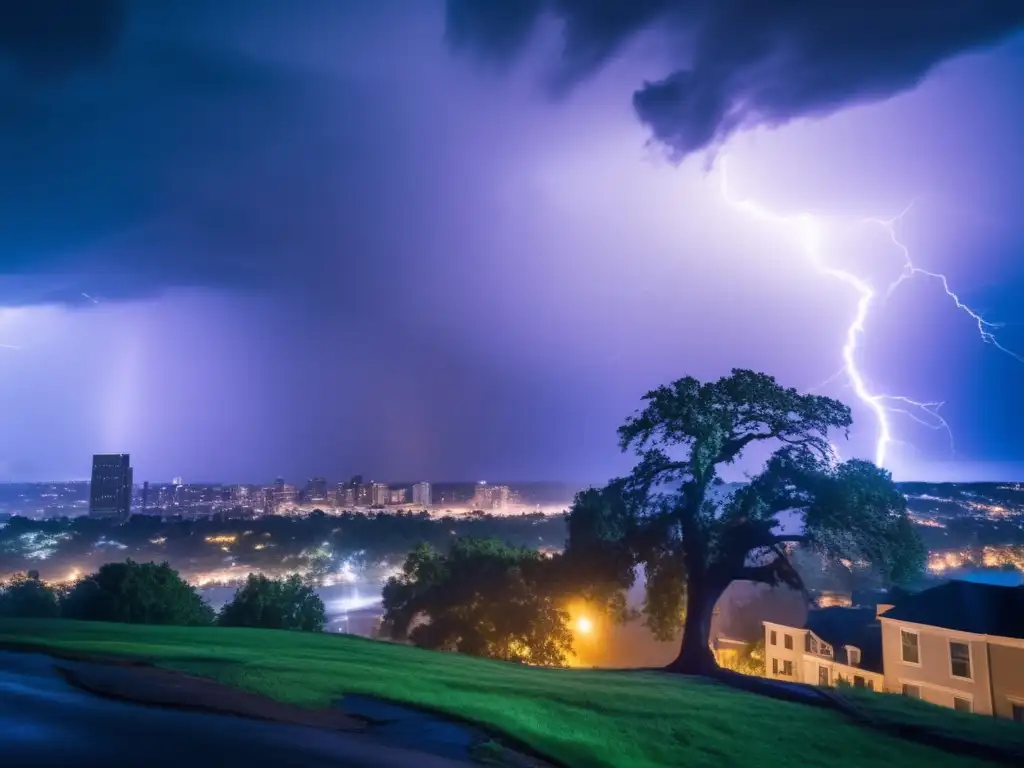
{"points": [[249, 238]]}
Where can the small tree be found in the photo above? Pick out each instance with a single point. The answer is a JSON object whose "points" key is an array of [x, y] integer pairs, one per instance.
{"points": [[137, 593], [694, 537], [274, 604], [483, 598], [26, 597]]}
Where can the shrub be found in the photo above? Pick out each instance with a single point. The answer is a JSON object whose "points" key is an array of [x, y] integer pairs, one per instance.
{"points": [[26, 597], [274, 604], [137, 593]]}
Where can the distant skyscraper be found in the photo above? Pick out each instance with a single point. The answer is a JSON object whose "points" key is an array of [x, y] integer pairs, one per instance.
{"points": [[110, 494], [145, 496], [364, 494], [421, 494], [380, 494], [490, 497], [178, 481], [316, 490], [398, 495]]}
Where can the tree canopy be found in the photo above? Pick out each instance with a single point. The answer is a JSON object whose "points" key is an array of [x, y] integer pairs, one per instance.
{"points": [[274, 604], [136, 593], [483, 598], [694, 535], [24, 596]]}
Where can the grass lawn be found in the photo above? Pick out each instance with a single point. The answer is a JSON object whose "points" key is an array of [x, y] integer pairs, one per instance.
{"points": [[897, 709], [579, 717]]}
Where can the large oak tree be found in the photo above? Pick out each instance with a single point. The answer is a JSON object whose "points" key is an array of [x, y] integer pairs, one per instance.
{"points": [[695, 535]]}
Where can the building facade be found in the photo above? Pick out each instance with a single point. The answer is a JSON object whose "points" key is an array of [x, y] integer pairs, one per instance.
{"points": [[958, 645], [421, 494], [110, 490]]}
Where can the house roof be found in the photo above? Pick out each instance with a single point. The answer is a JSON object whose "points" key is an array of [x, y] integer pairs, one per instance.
{"points": [[966, 606], [849, 626]]}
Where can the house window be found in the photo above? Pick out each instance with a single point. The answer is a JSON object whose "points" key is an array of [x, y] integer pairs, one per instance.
{"points": [[858, 681], [774, 638], [1017, 711], [960, 660], [962, 705], [787, 640], [912, 691], [775, 666], [787, 668], [822, 675], [911, 652], [853, 656]]}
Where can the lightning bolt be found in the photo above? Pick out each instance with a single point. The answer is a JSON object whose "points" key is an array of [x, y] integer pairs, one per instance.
{"points": [[809, 231]]}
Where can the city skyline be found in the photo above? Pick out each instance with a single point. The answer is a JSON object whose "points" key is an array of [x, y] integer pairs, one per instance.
{"points": [[428, 266]]}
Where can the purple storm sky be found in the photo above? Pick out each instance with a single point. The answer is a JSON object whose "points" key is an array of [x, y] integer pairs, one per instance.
{"points": [[418, 241]]}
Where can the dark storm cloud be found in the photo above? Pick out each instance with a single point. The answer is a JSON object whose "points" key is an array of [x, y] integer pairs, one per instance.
{"points": [[165, 149], [43, 38], [744, 63]]}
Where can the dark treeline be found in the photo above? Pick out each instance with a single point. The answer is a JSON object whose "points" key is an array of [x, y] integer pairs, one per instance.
{"points": [[54, 546]]}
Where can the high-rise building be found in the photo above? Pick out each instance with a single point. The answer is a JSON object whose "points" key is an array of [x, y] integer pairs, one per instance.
{"points": [[399, 495], [110, 493], [316, 491], [380, 494], [490, 497], [421, 494], [145, 495], [363, 494], [177, 481]]}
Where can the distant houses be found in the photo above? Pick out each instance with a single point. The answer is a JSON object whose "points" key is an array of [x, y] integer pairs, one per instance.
{"points": [[958, 645]]}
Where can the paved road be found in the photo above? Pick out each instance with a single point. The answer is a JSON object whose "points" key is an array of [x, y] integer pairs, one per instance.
{"points": [[45, 722]]}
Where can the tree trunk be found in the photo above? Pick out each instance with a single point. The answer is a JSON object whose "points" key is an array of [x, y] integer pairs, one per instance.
{"points": [[695, 656]]}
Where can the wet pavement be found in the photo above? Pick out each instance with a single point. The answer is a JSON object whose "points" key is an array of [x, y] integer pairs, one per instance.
{"points": [[44, 722]]}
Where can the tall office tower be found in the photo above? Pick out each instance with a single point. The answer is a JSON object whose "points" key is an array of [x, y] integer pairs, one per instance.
{"points": [[177, 481], [380, 494], [499, 496], [145, 495], [350, 498], [421, 494], [399, 495], [110, 493], [316, 490], [364, 494]]}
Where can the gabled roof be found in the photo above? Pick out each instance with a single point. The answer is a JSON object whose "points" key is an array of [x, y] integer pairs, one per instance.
{"points": [[849, 626], [966, 606]]}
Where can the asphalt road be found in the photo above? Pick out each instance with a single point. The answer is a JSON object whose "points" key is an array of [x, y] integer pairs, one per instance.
{"points": [[44, 721]]}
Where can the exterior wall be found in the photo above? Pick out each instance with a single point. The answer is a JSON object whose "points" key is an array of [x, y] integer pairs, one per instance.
{"points": [[933, 674], [781, 654], [1007, 676]]}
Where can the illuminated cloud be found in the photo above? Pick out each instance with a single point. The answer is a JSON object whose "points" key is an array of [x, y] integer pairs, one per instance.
{"points": [[737, 64]]}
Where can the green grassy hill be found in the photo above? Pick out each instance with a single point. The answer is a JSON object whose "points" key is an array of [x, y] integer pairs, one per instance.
{"points": [[578, 717]]}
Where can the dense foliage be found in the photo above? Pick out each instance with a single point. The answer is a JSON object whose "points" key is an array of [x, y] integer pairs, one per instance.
{"points": [[136, 593], [694, 536], [315, 541], [482, 598], [25, 597], [274, 604]]}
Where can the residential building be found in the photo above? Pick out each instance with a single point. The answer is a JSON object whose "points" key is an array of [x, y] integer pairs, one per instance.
{"points": [[110, 492], [399, 495], [421, 494], [835, 644], [960, 645]]}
